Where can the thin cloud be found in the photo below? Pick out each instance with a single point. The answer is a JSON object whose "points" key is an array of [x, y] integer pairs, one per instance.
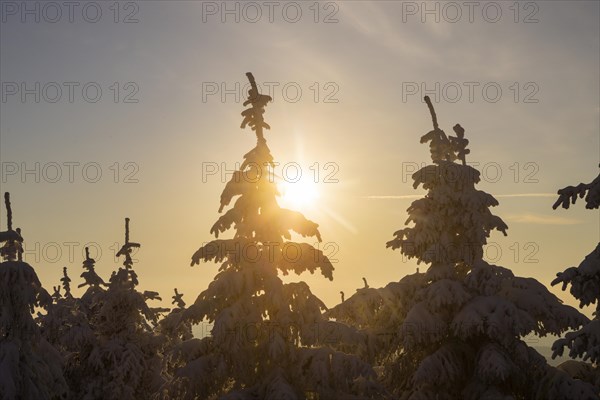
{"points": [[418, 196], [540, 219], [408, 196], [526, 195]]}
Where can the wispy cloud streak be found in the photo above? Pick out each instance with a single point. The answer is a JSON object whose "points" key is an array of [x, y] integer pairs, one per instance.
{"points": [[418, 196], [541, 219]]}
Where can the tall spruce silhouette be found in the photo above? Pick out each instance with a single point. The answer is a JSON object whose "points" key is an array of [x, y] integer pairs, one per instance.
{"points": [[457, 331], [269, 338], [30, 367]]}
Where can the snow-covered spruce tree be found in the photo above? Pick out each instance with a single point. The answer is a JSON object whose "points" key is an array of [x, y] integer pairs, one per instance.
{"points": [[377, 313], [462, 335], [367, 309], [124, 359], [175, 331], [268, 338], [65, 325], [585, 287], [172, 326], [30, 367]]}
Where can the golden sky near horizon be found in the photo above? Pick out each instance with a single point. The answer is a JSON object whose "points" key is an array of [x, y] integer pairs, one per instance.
{"points": [[141, 120]]}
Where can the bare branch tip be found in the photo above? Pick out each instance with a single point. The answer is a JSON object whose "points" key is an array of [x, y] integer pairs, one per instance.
{"points": [[431, 111]]}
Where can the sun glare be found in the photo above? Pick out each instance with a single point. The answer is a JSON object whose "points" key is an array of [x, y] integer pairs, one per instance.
{"points": [[299, 195]]}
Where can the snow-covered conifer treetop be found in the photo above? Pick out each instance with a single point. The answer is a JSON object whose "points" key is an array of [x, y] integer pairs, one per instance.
{"points": [[267, 335], [459, 326], [256, 214], [13, 241], [127, 247], [453, 221], [30, 368]]}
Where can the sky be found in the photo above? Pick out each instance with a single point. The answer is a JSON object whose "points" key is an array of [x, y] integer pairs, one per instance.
{"points": [[132, 109]]}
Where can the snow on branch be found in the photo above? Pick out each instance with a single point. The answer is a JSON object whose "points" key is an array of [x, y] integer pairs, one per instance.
{"points": [[444, 148], [90, 276], [178, 299], [254, 116], [128, 247], [569, 194], [12, 248], [66, 281]]}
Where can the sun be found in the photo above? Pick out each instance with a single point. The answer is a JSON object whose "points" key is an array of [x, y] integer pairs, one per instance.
{"points": [[300, 195]]}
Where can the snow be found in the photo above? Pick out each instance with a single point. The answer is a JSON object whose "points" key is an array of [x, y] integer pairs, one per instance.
{"points": [[455, 331]]}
